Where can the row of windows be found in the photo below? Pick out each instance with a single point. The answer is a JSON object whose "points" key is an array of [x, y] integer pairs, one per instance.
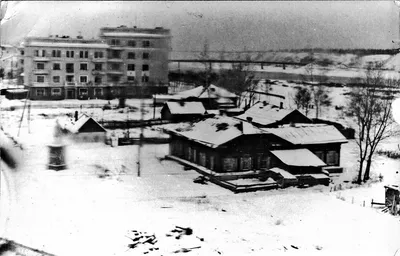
{"points": [[57, 91], [84, 79], [68, 54], [84, 67], [130, 43], [130, 55]]}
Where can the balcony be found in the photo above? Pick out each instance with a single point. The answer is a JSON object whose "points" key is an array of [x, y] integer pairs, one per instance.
{"points": [[40, 71], [98, 72], [117, 47], [98, 60], [115, 72], [115, 59], [70, 84], [41, 59]]}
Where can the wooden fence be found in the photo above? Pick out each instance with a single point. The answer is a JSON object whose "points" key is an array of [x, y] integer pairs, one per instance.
{"points": [[132, 123]]}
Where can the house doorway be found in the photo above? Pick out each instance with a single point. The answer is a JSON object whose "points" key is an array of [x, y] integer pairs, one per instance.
{"points": [[70, 94]]}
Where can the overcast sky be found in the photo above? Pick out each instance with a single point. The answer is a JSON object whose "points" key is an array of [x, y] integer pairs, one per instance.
{"points": [[228, 25]]}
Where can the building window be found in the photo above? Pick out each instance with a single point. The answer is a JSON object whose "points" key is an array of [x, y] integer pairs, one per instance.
{"points": [[264, 162], [131, 43], [39, 53], [97, 80], [131, 67], [131, 55], [115, 79], [56, 79], [69, 79], [83, 66], [146, 55], [98, 66], [98, 91], [229, 164], [202, 159], [69, 67], [83, 91], [145, 67], [39, 65], [40, 79], [40, 92], [115, 66], [245, 163], [211, 163], [83, 54], [320, 155], [115, 55], [131, 78], [98, 55], [22, 52], [146, 44], [332, 158], [56, 91], [56, 66], [145, 78], [56, 53], [70, 54], [115, 42], [83, 79]]}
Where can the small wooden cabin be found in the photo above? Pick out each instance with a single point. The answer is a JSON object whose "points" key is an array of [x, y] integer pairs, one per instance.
{"points": [[265, 115], [392, 198], [182, 110], [86, 129]]}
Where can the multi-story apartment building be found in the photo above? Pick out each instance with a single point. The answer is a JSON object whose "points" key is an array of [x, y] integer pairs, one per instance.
{"points": [[139, 57], [125, 62]]}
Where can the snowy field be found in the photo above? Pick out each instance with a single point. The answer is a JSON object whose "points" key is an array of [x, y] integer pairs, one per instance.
{"points": [[86, 211]]}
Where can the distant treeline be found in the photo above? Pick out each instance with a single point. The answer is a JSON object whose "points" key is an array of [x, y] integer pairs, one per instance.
{"points": [[345, 51]]}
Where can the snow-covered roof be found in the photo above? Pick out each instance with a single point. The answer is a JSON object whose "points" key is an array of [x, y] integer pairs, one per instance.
{"points": [[67, 45], [182, 107], [135, 34], [265, 114], [283, 173], [216, 131], [212, 92], [306, 134], [298, 157], [74, 127]]}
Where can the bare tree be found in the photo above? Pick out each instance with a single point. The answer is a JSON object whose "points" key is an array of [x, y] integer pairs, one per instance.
{"points": [[303, 98], [372, 112], [321, 98], [239, 79]]}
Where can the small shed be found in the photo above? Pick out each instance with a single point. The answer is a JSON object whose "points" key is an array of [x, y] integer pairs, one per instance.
{"points": [[16, 94], [297, 161], [86, 129], [182, 110], [392, 198]]}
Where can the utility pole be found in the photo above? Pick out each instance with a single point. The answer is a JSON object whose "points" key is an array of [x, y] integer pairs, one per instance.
{"points": [[141, 131]]}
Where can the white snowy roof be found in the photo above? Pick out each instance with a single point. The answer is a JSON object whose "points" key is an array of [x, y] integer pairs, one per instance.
{"points": [[298, 157], [212, 92], [185, 107], [216, 131], [68, 45], [285, 174], [74, 127], [306, 134], [265, 114], [134, 34]]}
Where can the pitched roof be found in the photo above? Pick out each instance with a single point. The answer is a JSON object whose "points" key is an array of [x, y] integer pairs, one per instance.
{"points": [[265, 114], [306, 134], [298, 157], [212, 92], [216, 131], [182, 107], [74, 127]]}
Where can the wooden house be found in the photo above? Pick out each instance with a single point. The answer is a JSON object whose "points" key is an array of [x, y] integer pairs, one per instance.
{"points": [[182, 111], [222, 144], [86, 129], [322, 140], [266, 115]]}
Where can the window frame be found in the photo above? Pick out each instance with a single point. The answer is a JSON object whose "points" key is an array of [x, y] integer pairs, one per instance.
{"points": [[56, 94], [37, 78], [40, 90], [83, 63], [59, 79], [59, 65], [80, 79]]}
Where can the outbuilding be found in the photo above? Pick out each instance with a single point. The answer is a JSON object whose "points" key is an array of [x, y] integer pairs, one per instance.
{"points": [[86, 129], [182, 110]]}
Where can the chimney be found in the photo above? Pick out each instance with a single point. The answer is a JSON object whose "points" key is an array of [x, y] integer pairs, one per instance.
{"points": [[249, 119], [281, 105]]}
